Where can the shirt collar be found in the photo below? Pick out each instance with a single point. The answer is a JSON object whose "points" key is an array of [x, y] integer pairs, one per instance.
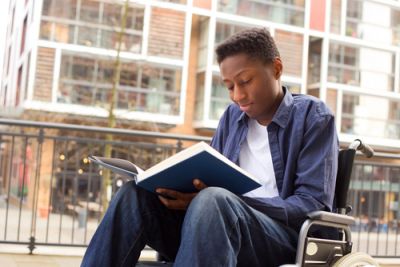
{"points": [[281, 116]]}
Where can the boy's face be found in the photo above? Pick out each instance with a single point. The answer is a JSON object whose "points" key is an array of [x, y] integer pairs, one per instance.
{"points": [[253, 86]]}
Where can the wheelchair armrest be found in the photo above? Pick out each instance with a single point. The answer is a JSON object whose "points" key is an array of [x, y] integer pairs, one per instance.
{"points": [[331, 217]]}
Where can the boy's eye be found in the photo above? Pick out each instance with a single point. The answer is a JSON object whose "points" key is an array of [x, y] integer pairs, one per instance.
{"points": [[245, 82]]}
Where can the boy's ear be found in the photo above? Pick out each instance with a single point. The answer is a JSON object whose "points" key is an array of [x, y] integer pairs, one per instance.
{"points": [[278, 67]]}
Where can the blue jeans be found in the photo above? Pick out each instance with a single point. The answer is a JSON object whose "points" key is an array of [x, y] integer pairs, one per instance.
{"points": [[217, 229]]}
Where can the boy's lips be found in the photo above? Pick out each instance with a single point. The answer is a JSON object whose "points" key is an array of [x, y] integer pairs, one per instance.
{"points": [[244, 107]]}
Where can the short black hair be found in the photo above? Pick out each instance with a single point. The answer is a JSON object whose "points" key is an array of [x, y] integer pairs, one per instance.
{"points": [[255, 42]]}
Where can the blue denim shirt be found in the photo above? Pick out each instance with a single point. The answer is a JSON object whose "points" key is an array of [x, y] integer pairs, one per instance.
{"points": [[304, 149]]}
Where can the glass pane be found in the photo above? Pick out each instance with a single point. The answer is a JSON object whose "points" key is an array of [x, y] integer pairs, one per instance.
{"points": [[109, 39], [292, 87], [77, 68], [219, 98], [373, 21], [359, 118], [45, 30], [203, 42], [314, 60], [283, 11], [105, 73], [89, 11], [131, 43], [336, 16], [199, 104], [112, 14], [396, 26], [223, 31], [128, 74], [175, 1], [357, 66], [167, 30], [64, 33], [89, 81], [135, 18], [87, 36], [126, 99], [59, 8], [163, 89]]}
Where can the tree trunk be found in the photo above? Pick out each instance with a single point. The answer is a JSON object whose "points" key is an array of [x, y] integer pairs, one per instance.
{"points": [[106, 182]]}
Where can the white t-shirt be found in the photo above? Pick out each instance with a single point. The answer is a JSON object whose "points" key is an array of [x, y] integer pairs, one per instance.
{"points": [[255, 158]]}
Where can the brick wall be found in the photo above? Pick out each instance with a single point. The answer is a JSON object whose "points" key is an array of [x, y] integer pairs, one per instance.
{"points": [[167, 30], [290, 46], [44, 74]]}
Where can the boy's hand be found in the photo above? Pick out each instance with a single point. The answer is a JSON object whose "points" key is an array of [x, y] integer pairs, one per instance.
{"points": [[176, 200]]}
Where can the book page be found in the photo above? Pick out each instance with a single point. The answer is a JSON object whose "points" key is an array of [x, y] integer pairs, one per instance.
{"points": [[118, 164]]}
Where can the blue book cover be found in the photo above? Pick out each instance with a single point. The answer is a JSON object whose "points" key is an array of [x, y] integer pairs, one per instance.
{"points": [[177, 172]]}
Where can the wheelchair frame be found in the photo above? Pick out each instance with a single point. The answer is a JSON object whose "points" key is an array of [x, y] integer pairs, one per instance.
{"points": [[318, 252]]}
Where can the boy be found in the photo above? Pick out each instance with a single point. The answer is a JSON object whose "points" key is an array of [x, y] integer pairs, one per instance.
{"points": [[287, 141]]}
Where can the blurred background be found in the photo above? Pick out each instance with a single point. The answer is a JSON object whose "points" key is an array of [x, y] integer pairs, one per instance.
{"points": [[139, 80]]}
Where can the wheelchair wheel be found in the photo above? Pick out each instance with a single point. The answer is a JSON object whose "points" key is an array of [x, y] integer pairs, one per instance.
{"points": [[356, 259]]}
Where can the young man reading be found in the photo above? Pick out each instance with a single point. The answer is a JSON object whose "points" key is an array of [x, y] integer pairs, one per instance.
{"points": [[287, 141]]}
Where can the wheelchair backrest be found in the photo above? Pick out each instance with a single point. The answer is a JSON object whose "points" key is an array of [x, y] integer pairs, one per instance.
{"points": [[345, 166]]}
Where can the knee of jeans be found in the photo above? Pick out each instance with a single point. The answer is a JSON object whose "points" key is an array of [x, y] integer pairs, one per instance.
{"points": [[128, 186], [211, 196], [126, 191]]}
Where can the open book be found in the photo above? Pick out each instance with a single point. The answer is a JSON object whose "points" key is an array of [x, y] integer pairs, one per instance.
{"points": [[177, 172]]}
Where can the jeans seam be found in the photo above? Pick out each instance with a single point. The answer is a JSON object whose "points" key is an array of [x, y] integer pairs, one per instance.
{"points": [[230, 234], [133, 245]]}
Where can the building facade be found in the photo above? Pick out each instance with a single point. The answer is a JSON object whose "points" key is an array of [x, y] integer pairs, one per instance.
{"points": [[59, 61]]}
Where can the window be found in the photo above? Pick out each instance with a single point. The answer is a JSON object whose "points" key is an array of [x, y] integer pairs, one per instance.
{"points": [[200, 91], [219, 98], [175, 1], [373, 21], [357, 66], [65, 9], [359, 119], [282, 11], [336, 10], [87, 36], [89, 11], [223, 31], [27, 75], [344, 64], [142, 87], [203, 42], [19, 80], [314, 60], [23, 35], [95, 23]]}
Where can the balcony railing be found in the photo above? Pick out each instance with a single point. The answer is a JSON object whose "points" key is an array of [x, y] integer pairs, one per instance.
{"points": [[51, 195]]}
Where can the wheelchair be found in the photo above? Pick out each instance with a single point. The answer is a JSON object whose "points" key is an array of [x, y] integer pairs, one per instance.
{"points": [[322, 252]]}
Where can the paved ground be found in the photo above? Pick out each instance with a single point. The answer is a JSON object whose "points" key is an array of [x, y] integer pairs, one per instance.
{"points": [[16, 256], [66, 229]]}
